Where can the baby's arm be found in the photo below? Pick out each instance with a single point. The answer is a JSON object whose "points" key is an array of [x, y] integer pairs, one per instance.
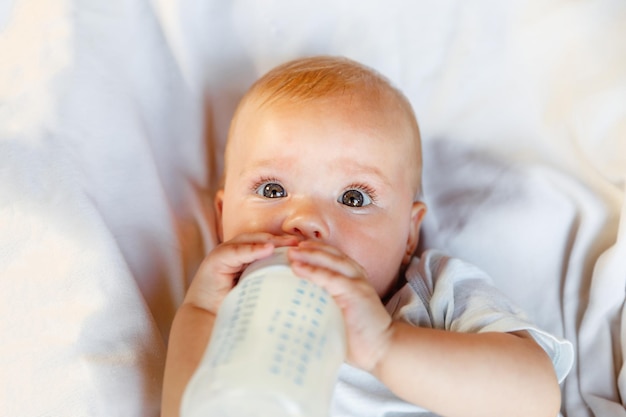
{"points": [[449, 373], [194, 320], [469, 374]]}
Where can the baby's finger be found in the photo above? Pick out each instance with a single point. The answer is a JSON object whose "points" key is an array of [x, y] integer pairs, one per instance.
{"points": [[235, 254], [231, 257], [261, 237], [219, 271], [314, 246], [327, 257], [344, 289]]}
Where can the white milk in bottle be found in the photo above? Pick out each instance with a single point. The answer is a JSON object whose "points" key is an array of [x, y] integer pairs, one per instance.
{"points": [[277, 344]]}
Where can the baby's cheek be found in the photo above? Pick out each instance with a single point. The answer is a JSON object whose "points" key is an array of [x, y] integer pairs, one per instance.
{"points": [[382, 269], [247, 222], [373, 272]]}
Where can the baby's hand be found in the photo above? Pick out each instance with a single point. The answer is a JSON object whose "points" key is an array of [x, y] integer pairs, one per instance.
{"points": [[366, 319], [218, 272]]}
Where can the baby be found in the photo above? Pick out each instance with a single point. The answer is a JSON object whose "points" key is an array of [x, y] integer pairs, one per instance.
{"points": [[324, 156]]}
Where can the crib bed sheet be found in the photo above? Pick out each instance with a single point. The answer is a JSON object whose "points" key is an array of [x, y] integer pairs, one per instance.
{"points": [[113, 117]]}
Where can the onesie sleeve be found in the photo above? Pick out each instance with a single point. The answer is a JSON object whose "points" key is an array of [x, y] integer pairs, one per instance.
{"points": [[450, 294]]}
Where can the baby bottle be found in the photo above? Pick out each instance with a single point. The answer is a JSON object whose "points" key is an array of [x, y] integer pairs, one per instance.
{"points": [[276, 346]]}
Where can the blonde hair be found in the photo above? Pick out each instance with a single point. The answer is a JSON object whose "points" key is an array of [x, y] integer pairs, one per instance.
{"points": [[327, 77]]}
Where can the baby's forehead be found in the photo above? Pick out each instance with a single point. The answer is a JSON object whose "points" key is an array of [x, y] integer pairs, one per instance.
{"points": [[381, 108], [365, 96], [388, 121]]}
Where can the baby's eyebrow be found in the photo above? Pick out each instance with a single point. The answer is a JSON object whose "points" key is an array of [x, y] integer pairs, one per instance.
{"points": [[353, 167], [346, 166], [269, 163]]}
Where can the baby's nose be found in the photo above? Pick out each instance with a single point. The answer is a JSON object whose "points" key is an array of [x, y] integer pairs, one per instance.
{"points": [[306, 219]]}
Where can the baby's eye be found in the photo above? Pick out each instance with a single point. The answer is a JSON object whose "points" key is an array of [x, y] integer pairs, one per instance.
{"points": [[355, 198], [271, 190]]}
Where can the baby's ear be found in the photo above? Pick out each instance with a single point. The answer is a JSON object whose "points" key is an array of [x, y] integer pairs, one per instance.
{"points": [[219, 208], [417, 215]]}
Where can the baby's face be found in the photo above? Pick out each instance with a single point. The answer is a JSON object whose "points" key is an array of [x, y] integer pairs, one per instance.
{"points": [[329, 171]]}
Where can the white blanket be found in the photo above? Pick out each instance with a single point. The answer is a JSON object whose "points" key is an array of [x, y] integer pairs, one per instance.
{"points": [[112, 120]]}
